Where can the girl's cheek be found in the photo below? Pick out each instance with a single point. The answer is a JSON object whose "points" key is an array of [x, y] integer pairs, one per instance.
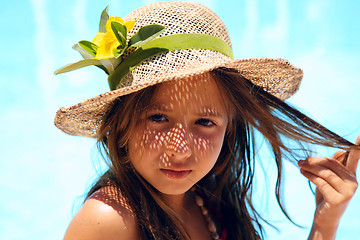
{"points": [[202, 145], [164, 160], [145, 143], [153, 139], [209, 145]]}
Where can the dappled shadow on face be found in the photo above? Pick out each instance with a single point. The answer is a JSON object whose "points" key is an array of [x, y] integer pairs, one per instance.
{"points": [[181, 122]]}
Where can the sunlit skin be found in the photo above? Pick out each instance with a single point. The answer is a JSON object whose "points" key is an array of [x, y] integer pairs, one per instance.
{"points": [[179, 137], [336, 185]]}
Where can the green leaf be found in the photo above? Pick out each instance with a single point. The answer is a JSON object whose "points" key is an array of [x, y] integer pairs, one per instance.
{"points": [[120, 33], [110, 64], [85, 54], [89, 47], [145, 34], [77, 65], [103, 20], [130, 63], [119, 52]]}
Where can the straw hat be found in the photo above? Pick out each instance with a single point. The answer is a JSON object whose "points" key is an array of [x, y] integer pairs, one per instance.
{"points": [[277, 76]]}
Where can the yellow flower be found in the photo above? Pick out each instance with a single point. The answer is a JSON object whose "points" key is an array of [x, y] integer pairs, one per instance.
{"points": [[129, 24], [107, 42]]}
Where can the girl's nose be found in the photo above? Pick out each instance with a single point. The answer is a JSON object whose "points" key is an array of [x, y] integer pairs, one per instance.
{"points": [[177, 146]]}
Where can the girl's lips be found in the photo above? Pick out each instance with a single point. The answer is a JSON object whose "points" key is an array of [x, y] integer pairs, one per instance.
{"points": [[177, 175]]}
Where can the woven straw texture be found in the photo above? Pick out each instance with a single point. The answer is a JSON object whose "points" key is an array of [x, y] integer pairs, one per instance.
{"points": [[276, 76]]}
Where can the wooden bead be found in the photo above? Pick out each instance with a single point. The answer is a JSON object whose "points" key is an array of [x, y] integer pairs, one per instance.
{"points": [[199, 201], [204, 211], [212, 227], [215, 236]]}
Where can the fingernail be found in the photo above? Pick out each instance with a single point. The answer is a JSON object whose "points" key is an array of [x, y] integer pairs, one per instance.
{"points": [[301, 162]]}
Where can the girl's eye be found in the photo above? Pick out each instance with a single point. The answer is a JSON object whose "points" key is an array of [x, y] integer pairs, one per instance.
{"points": [[205, 122], [157, 118]]}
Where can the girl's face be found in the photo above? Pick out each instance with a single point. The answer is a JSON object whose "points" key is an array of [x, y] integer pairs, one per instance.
{"points": [[179, 136]]}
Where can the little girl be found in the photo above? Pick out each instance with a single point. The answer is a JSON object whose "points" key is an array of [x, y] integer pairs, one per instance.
{"points": [[178, 129]]}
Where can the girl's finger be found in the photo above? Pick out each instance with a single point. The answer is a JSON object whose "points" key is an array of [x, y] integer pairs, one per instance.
{"points": [[353, 158], [339, 194], [324, 187], [320, 164], [340, 156], [329, 173]]}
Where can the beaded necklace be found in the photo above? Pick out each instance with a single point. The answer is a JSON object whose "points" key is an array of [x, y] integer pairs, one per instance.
{"points": [[211, 225]]}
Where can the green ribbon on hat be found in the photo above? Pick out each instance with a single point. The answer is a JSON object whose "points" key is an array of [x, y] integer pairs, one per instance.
{"points": [[166, 44]]}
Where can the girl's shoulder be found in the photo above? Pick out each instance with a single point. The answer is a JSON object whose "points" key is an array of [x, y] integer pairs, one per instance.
{"points": [[105, 215]]}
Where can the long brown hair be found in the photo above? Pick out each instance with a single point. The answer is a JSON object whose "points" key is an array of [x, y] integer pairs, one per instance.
{"points": [[250, 108]]}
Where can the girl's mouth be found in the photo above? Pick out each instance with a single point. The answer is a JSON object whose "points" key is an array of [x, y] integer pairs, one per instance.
{"points": [[173, 174]]}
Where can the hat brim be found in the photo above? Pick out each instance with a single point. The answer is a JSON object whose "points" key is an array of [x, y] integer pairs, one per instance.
{"points": [[276, 76]]}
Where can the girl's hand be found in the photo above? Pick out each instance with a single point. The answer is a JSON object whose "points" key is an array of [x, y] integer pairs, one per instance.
{"points": [[335, 179]]}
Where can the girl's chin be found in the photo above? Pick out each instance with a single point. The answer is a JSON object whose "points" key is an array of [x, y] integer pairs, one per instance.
{"points": [[174, 191]]}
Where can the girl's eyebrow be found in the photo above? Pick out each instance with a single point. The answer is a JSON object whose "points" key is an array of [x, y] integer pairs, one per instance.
{"points": [[160, 107], [209, 112]]}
